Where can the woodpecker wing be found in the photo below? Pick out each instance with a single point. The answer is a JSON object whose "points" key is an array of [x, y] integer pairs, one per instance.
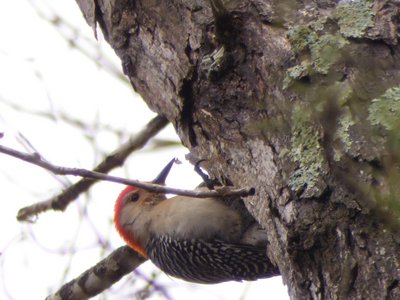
{"points": [[213, 261]]}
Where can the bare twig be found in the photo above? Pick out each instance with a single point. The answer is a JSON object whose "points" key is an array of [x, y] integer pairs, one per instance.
{"points": [[155, 188], [61, 201], [115, 159], [101, 276]]}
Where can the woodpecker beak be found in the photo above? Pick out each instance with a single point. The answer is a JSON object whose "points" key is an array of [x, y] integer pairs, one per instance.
{"points": [[160, 179]]}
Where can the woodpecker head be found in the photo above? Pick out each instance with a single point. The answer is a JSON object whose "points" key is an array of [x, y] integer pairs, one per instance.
{"points": [[131, 211]]}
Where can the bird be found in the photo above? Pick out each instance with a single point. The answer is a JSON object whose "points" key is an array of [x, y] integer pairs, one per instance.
{"points": [[200, 240]]}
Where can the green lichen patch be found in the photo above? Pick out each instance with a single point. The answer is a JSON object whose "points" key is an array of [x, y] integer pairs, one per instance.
{"points": [[342, 133], [300, 37], [326, 51], [354, 17], [385, 110], [319, 24], [295, 73], [306, 151]]}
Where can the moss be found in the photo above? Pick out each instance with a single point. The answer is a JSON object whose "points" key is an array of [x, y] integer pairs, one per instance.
{"points": [[354, 17], [385, 110], [306, 151], [326, 51]]}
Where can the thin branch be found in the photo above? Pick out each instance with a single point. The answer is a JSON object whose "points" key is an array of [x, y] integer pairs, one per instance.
{"points": [[61, 201], [115, 159], [36, 159], [101, 276], [155, 188]]}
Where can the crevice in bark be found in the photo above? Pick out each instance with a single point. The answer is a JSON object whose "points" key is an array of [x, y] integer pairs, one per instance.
{"points": [[100, 20], [186, 122], [391, 288]]}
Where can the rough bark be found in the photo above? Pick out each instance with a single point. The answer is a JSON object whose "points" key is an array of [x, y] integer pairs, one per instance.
{"points": [[289, 110]]}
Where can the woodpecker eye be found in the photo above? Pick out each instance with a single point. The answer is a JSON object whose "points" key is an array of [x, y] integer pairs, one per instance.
{"points": [[133, 197]]}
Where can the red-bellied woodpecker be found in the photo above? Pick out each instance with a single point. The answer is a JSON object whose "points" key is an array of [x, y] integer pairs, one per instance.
{"points": [[201, 240]]}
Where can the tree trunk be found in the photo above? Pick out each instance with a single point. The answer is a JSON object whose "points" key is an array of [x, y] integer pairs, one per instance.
{"points": [[297, 99]]}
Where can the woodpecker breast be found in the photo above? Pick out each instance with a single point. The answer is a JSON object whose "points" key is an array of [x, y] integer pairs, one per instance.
{"points": [[191, 218]]}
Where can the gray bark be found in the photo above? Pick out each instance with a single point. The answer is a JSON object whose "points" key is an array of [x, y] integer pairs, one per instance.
{"points": [[288, 110]]}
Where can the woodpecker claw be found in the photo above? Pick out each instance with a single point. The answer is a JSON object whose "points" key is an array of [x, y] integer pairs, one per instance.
{"points": [[209, 183], [160, 179]]}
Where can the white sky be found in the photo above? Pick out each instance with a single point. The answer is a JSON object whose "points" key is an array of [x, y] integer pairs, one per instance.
{"points": [[39, 71]]}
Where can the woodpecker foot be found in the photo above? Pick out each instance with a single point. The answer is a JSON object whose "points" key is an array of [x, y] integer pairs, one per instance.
{"points": [[208, 182]]}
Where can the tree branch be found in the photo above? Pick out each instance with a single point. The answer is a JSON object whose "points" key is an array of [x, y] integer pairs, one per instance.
{"points": [[115, 159], [101, 276], [61, 201]]}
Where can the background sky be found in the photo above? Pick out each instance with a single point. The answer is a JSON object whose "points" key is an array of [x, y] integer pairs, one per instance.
{"points": [[61, 94]]}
